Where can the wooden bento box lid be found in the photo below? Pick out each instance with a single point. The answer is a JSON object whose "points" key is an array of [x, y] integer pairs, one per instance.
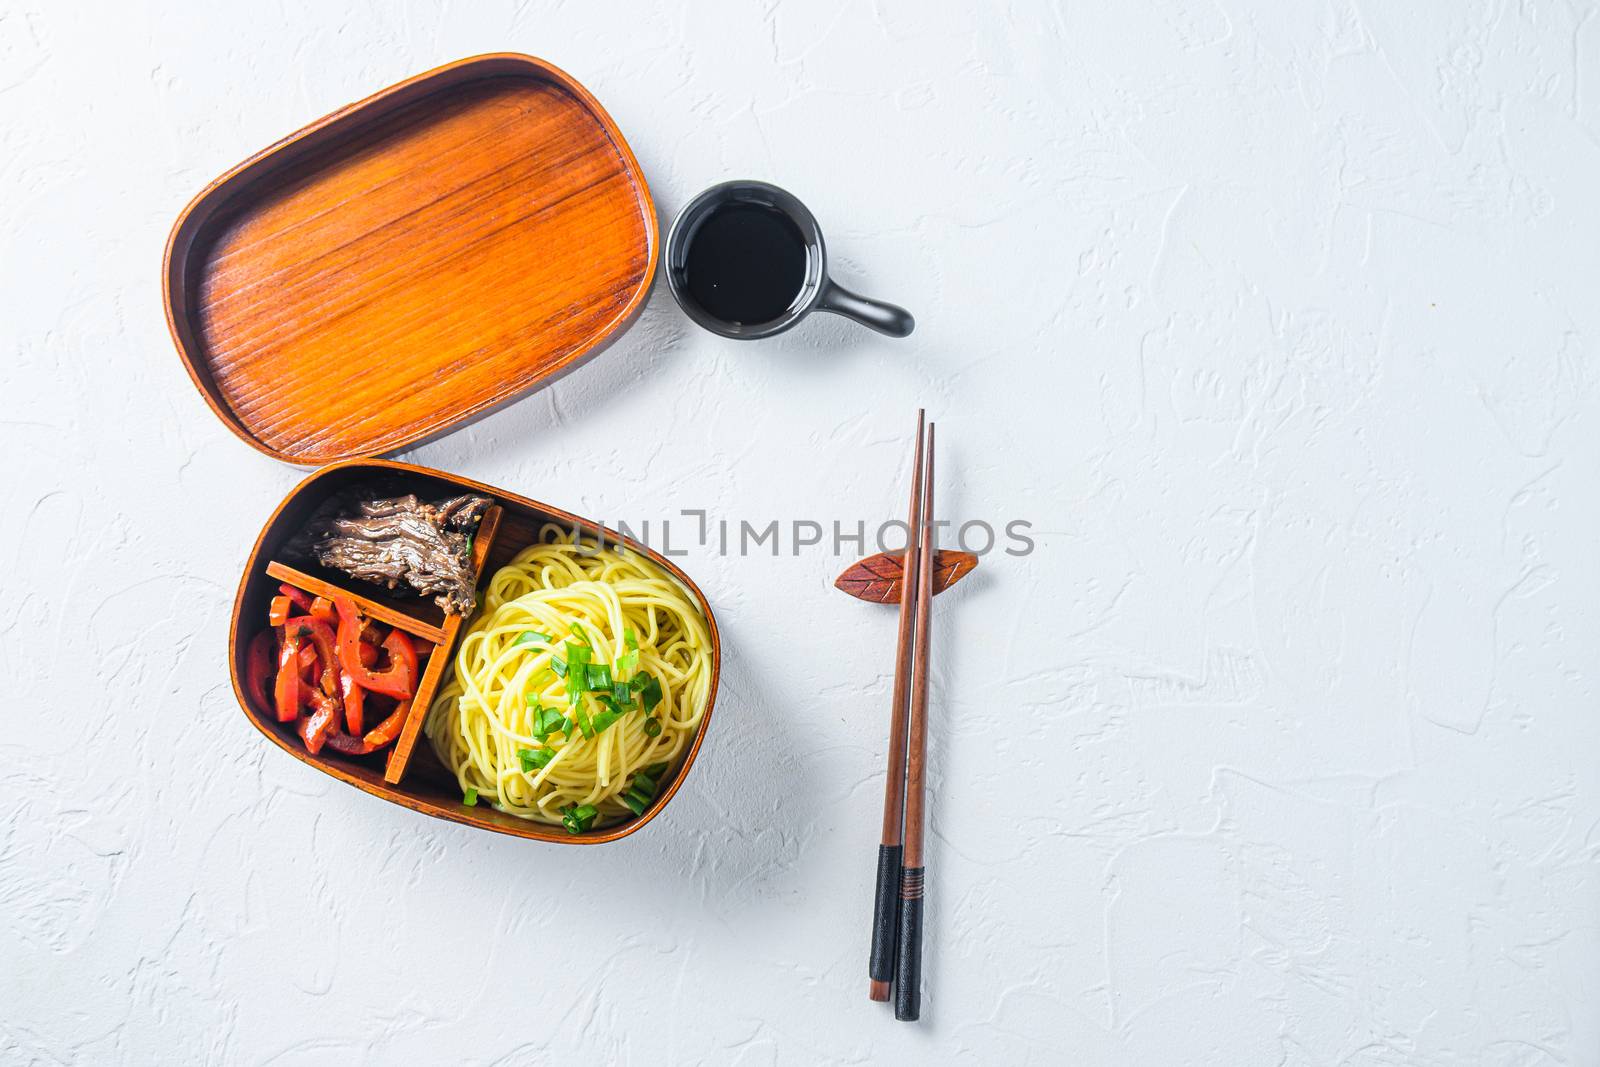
{"points": [[411, 261]]}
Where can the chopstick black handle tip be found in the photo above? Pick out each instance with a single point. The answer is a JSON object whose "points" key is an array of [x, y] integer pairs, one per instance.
{"points": [[885, 910], [908, 967]]}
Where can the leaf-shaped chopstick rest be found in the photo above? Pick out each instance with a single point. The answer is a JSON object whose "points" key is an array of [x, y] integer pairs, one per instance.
{"points": [[877, 579]]}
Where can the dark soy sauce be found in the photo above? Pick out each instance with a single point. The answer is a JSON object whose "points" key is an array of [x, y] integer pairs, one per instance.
{"points": [[746, 263]]}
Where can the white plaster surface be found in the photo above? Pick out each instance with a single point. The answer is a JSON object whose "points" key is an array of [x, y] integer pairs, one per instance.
{"points": [[1278, 320]]}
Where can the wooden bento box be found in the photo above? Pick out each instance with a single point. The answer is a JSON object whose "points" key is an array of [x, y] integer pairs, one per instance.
{"points": [[409, 774], [383, 276]]}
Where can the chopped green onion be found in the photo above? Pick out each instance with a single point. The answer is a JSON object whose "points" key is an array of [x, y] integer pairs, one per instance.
{"points": [[585, 723], [533, 759], [578, 819], [652, 727], [558, 665], [599, 678], [581, 635], [471, 799], [641, 791], [548, 722], [604, 719], [531, 637], [628, 663], [630, 638], [651, 693], [656, 770], [577, 670]]}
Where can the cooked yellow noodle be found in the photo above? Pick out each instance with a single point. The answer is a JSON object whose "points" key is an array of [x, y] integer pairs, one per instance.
{"points": [[482, 714]]}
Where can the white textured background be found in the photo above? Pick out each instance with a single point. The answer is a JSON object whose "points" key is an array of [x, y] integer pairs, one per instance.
{"points": [[1279, 321]]}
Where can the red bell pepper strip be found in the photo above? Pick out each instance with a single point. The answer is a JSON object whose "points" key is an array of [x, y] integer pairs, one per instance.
{"points": [[379, 736], [308, 660], [322, 608], [301, 598], [389, 728], [350, 746], [316, 728], [257, 667], [286, 693], [322, 639], [355, 702], [399, 679], [402, 657], [278, 611]]}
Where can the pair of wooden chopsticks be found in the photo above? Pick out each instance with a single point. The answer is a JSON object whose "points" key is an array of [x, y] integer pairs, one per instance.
{"points": [[896, 958]]}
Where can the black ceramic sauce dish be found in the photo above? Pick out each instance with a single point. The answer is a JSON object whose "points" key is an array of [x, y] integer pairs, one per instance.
{"points": [[746, 260]]}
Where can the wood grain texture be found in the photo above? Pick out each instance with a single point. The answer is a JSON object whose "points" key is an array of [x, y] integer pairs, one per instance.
{"points": [[922, 646], [880, 579], [908, 951], [411, 261], [885, 904], [895, 773], [372, 609], [427, 786], [433, 674]]}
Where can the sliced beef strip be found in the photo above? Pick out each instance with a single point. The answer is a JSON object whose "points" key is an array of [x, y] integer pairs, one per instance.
{"points": [[400, 542]]}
